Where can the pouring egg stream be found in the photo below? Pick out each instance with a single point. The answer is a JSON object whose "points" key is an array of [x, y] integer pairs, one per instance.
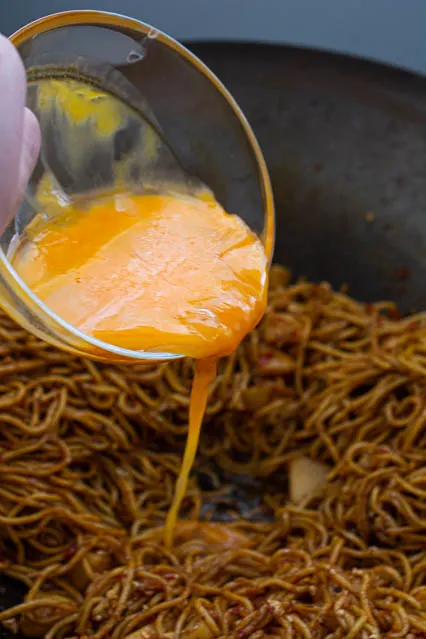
{"points": [[152, 272]]}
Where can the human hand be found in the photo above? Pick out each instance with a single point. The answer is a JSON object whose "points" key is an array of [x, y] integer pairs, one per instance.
{"points": [[19, 133]]}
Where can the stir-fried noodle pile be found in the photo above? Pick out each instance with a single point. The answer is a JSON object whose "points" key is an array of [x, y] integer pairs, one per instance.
{"points": [[89, 455]]}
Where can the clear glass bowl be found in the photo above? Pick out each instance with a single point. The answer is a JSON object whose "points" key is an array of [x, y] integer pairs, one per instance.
{"points": [[167, 95]]}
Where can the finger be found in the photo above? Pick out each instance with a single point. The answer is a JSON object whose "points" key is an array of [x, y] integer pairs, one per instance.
{"points": [[12, 102], [30, 149]]}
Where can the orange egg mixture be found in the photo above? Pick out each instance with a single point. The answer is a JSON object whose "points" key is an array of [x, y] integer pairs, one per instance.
{"points": [[155, 273]]}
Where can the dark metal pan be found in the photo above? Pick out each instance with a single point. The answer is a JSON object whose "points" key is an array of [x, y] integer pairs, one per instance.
{"points": [[345, 142]]}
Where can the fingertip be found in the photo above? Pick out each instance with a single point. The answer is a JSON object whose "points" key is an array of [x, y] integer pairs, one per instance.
{"points": [[31, 140]]}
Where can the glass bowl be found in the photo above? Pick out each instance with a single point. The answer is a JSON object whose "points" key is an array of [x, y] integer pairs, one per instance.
{"points": [[167, 94]]}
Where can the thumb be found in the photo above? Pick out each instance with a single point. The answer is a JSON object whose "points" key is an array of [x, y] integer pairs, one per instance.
{"points": [[19, 133], [30, 149]]}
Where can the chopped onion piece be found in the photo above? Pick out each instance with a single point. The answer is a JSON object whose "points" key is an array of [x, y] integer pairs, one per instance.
{"points": [[306, 478]]}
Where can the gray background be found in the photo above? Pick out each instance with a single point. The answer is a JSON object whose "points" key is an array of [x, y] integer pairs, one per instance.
{"points": [[392, 31]]}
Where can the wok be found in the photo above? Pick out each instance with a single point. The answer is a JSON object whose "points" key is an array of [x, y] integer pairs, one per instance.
{"points": [[345, 143]]}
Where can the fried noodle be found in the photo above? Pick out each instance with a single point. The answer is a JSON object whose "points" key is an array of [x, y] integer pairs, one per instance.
{"points": [[89, 455]]}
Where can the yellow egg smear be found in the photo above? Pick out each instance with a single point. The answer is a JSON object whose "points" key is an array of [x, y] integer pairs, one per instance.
{"points": [[80, 102]]}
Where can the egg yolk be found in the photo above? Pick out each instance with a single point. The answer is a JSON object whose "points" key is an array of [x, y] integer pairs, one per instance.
{"points": [[153, 273]]}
